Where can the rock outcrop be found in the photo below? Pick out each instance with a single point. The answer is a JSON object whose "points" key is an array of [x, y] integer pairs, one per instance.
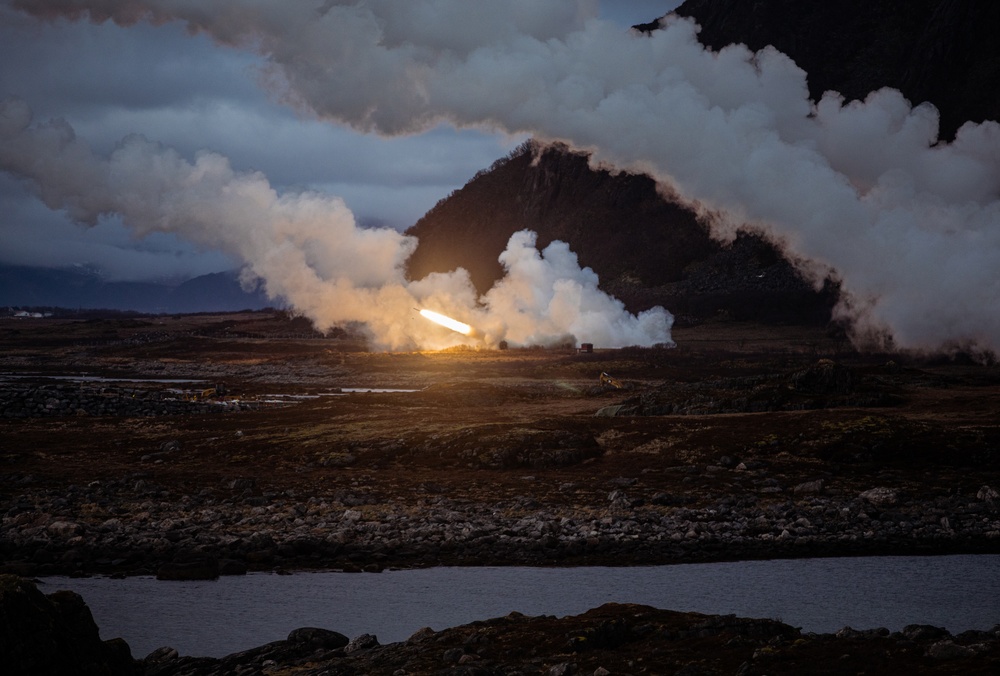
{"points": [[55, 634]]}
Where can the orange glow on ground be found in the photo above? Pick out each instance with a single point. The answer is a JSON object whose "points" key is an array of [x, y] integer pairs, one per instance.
{"points": [[447, 322]]}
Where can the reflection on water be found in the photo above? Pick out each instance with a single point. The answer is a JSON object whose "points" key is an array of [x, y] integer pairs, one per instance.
{"points": [[820, 595]]}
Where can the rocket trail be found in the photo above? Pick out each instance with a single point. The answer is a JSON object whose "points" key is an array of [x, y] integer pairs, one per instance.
{"points": [[447, 322]]}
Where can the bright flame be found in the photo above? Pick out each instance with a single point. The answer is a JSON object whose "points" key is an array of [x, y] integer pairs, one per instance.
{"points": [[448, 322]]}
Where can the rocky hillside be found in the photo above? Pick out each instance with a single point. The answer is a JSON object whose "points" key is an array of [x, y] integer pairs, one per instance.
{"points": [[649, 250]]}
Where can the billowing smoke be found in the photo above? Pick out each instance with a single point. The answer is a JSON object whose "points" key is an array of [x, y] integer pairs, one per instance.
{"points": [[546, 294], [307, 248], [862, 192]]}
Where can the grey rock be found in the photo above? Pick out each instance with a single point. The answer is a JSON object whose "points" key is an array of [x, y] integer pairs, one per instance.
{"points": [[849, 633], [924, 632], [809, 487], [163, 654], [452, 656], [880, 496], [988, 494], [949, 650], [64, 529], [362, 642]]}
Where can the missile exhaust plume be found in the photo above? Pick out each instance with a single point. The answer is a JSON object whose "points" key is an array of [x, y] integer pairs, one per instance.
{"points": [[863, 192], [447, 322], [305, 247]]}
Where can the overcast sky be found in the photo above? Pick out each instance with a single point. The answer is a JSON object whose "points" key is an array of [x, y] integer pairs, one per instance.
{"points": [[187, 93]]}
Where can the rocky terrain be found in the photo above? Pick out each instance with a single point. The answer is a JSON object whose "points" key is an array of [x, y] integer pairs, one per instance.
{"points": [[190, 447], [255, 445], [247, 453]]}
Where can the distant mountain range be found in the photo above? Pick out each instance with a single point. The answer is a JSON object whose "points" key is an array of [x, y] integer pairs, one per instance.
{"points": [[72, 289]]}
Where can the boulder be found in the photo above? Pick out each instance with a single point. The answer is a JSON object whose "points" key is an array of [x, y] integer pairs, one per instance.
{"points": [[925, 632], [320, 638], [54, 634], [362, 642], [949, 650], [809, 487], [881, 496]]}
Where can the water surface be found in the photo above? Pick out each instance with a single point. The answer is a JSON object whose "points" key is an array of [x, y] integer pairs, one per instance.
{"points": [[820, 595]]}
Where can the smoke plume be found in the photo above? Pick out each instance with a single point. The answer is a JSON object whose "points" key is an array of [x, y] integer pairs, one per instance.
{"points": [[859, 191], [307, 248]]}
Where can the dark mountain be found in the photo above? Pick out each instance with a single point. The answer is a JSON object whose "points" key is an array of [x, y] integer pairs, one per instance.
{"points": [[649, 250], [940, 51], [44, 287], [646, 250]]}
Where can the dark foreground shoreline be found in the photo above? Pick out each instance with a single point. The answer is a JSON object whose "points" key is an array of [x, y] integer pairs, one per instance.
{"points": [[56, 634]]}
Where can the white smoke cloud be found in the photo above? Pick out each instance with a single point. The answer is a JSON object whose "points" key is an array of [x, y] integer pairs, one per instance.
{"points": [[862, 191], [545, 294], [306, 246]]}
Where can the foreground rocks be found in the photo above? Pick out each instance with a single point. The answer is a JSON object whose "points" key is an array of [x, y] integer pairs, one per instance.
{"points": [[55, 634], [134, 526]]}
